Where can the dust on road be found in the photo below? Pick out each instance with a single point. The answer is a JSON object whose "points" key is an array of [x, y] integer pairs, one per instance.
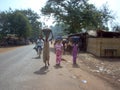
{"points": [[87, 71]]}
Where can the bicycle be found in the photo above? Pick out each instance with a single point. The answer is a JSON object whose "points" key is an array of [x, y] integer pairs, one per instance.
{"points": [[39, 51]]}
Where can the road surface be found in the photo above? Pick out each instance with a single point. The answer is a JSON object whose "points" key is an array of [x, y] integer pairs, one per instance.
{"points": [[20, 69]]}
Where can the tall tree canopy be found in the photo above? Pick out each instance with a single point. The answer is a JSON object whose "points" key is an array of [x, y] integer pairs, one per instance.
{"points": [[14, 23], [33, 18], [3, 24], [77, 14], [20, 25], [23, 23]]}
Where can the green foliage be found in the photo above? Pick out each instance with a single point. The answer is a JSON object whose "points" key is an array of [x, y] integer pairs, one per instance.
{"points": [[33, 20], [77, 14], [20, 25], [3, 23], [23, 23]]}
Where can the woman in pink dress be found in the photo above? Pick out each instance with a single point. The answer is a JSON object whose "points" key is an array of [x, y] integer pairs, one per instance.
{"points": [[58, 51]]}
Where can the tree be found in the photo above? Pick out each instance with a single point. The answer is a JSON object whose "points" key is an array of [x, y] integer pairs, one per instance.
{"points": [[19, 25], [4, 29], [14, 23], [5, 23], [11, 23], [106, 16], [77, 14], [33, 20], [116, 28]]}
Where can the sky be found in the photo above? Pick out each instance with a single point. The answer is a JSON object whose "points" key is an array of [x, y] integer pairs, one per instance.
{"points": [[113, 5], [36, 5], [22, 4]]}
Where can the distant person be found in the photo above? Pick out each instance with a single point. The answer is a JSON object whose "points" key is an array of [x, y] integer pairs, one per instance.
{"points": [[58, 51], [75, 52], [64, 45], [39, 45]]}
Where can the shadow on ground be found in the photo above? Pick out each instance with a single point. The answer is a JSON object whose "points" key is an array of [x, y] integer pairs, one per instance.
{"points": [[37, 57], [42, 71], [76, 66], [57, 66]]}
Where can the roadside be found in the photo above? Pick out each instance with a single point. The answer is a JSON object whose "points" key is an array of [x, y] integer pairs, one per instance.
{"points": [[95, 73], [6, 49]]}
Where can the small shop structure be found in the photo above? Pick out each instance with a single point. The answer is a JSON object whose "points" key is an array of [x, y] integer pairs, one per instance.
{"points": [[104, 44], [98, 42]]}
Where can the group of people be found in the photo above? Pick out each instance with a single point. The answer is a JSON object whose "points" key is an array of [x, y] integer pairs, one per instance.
{"points": [[58, 47], [59, 51]]}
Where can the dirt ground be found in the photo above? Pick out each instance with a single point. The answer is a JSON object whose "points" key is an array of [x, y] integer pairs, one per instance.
{"points": [[6, 49], [105, 70], [91, 70]]}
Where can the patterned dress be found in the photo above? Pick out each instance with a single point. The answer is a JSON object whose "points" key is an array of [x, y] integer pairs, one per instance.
{"points": [[58, 49]]}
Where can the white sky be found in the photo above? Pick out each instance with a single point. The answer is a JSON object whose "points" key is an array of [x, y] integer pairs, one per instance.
{"points": [[112, 5], [37, 4], [22, 4]]}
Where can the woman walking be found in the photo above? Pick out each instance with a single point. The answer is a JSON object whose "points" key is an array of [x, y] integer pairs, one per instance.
{"points": [[46, 52], [58, 50], [74, 52]]}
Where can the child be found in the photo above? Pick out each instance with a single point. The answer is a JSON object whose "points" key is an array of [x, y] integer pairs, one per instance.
{"points": [[58, 50], [74, 52]]}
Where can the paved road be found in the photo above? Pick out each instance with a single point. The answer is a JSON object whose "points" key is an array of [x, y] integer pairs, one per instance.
{"points": [[20, 69]]}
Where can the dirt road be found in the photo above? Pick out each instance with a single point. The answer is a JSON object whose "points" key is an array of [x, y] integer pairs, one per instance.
{"points": [[21, 69], [30, 74]]}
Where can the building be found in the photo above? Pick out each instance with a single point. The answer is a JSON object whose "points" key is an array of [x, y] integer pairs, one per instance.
{"points": [[104, 44]]}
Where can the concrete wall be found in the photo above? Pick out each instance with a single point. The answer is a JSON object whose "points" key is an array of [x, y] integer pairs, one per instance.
{"points": [[105, 47]]}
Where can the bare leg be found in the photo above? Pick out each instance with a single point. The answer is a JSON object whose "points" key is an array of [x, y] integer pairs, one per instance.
{"points": [[45, 64], [48, 63]]}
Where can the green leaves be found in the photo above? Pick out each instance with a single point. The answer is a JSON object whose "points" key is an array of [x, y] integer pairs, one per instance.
{"points": [[23, 23], [77, 14]]}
